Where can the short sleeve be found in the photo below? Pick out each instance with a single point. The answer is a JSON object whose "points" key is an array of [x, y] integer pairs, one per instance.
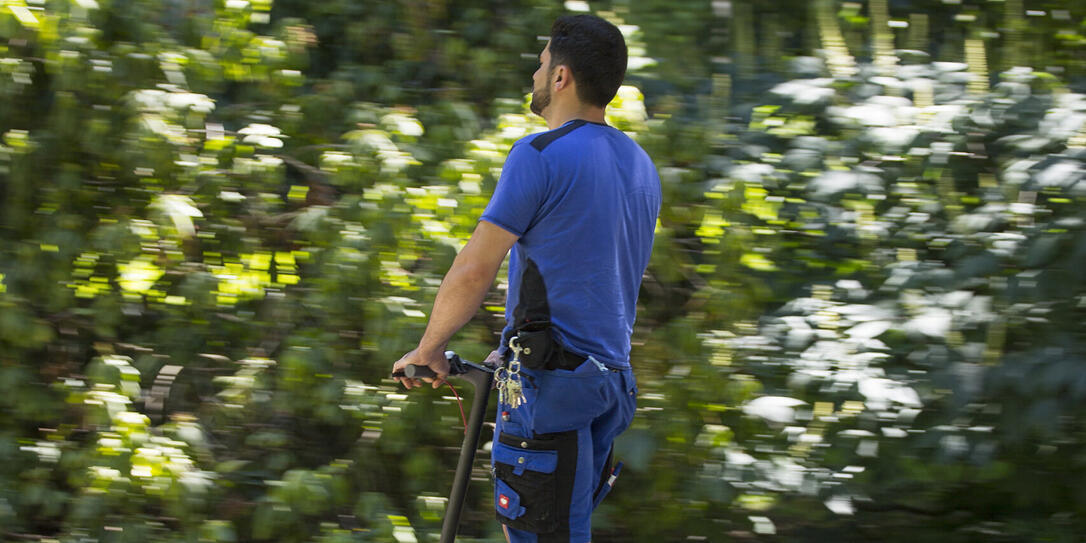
{"points": [[520, 192]]}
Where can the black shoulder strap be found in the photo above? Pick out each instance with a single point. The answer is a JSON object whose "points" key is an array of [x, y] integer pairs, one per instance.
{"points": [[543, 140]]}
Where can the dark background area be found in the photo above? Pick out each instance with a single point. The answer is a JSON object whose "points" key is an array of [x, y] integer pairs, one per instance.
{"points": [[222, 221]]}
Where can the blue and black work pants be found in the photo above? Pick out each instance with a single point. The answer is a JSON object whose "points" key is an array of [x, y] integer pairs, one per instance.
{"points": [[552, 455]]}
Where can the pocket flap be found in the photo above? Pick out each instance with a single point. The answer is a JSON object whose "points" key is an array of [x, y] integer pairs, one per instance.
{"points": [[507, 501], [522, 459]]}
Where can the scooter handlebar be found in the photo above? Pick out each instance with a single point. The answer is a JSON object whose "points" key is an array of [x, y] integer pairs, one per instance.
{"points": [[457, 368]]}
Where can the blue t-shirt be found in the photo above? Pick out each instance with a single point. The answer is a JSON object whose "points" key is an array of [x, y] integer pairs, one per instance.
{"points": [[583, 199]]}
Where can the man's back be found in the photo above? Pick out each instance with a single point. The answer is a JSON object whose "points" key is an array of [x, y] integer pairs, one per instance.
{"points": [[584, 200]]}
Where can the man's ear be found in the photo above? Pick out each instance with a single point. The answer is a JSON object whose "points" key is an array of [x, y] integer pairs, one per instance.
{"points": [[561, 77]]}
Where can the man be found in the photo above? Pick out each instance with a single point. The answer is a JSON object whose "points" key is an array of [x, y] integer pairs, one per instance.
{"points": [[578, 206]]}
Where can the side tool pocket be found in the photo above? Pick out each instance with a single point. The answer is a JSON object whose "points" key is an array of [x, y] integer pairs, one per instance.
{"points": [[530, 481]]}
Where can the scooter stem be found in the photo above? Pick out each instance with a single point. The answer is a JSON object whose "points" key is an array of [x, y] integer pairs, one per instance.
{"points": [[482, 378]]}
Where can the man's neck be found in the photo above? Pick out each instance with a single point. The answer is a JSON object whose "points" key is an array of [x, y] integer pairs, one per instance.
{"points": [[560, 117]]}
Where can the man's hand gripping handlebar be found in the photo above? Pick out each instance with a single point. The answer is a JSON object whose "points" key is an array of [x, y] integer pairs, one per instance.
{"points": [[436, 361], [458, 368]]}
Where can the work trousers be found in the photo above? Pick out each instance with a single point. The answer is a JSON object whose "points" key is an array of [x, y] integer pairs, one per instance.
{"points": [[552, 455]]}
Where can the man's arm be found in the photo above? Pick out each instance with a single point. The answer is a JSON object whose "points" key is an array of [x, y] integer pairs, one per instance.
{"points": [[461, 292]]}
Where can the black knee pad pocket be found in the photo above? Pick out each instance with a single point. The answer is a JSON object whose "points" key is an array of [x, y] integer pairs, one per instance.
{"points": [[534, 481]]}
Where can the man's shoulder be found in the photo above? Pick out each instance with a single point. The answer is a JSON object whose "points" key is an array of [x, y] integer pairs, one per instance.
{"points": [[571, 139], [542, 140]]}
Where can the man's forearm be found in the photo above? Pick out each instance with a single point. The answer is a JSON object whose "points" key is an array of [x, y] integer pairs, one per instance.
{"points": [[458, 298]]}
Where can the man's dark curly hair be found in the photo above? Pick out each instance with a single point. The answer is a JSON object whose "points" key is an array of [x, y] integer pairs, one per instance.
{"points": [[594, 51]]}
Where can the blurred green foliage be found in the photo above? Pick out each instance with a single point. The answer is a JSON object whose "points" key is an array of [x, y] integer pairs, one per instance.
{"points": [[221, 221]]}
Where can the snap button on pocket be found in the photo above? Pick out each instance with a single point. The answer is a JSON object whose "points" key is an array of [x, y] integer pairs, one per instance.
{"points": [[541, 461]]}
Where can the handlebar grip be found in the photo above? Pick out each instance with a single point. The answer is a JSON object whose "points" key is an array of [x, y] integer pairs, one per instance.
{"points": [[457, 367], [418, 372]]}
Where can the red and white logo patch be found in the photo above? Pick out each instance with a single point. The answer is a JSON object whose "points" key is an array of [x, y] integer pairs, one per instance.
{"points": [[503, 501]]}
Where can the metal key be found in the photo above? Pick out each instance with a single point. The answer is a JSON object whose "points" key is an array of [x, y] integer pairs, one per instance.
{"points": [[510, 389], [514, 393]]}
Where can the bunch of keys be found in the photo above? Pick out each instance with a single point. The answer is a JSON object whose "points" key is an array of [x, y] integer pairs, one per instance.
{"points": [[510, 390]]}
